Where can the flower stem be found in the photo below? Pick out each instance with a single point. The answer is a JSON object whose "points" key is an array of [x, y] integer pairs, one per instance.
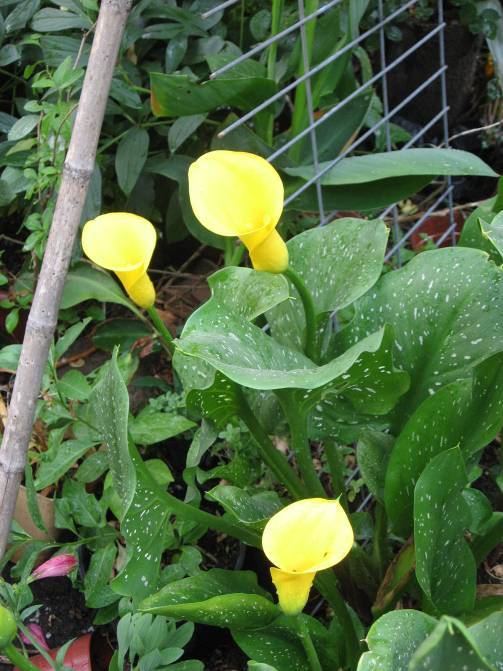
{"points": [[18, 659], [297, 422], [327, 585], [277, 10], [380, 545], [271, 456], [311, 345], [336, 468], [307, 643], [161, 329]]}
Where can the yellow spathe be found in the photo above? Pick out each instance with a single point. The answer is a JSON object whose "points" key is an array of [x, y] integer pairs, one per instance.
{"points": [[292, 589], [124, 243], [235, 193], [305, 537]]}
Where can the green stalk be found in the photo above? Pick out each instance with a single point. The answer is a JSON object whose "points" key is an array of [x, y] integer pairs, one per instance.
{"points": [[161, 329], [297, 422], [193, 514], [336, 468], [271, 456], [311, 345], [326, 584], [380, 545], [300, 119], [307, 643], [277, 10], [42, 651], [18, 659]]}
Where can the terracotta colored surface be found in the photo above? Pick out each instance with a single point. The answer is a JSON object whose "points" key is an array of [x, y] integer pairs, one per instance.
{"points": [[78, 656]]}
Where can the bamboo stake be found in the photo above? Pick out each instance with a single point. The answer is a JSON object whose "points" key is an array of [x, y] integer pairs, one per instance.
{"points": [[43, 317]]}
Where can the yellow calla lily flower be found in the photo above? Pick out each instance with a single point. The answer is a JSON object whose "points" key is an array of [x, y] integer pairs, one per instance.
{"points": [[124, 243], [305, 537], [234, 193]]}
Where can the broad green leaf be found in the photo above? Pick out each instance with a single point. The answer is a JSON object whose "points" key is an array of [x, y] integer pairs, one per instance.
{"points": [[251, 509], [130, 158], [9, 357], [487, 636], [468, 413], [69, 337], [279, 645], [218, 598], [450, 647], [338, 263], [122, 332], [178, 95], [393, 639], [472, 234], [22, 127], [182, 129], [446, 310], [373, 452], [20, 15], [445, 566], [151, 426], [144, 527], [377, 180], [84, 283], [494, 232], [66, 455], [401, 163], [50, 20], [109, 403], [96, 588], [74, 385]]}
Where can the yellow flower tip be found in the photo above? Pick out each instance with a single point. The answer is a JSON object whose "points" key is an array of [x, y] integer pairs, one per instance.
{"points": [[292, 589], [308, 536], [271, 255], [124, 243], [235, 193]]}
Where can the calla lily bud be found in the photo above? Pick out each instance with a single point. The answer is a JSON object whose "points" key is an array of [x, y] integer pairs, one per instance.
{"points": [[8, 627], [54, 567], [124, 243], [234, 193], [38, 634], [305, 537]]}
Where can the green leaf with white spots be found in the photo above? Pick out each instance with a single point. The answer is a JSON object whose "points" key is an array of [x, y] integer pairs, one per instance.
{"points": [[446, 310], [338, 263], [493, 231], [253, 509], [393, 639], [279, 645], [487, 636], [219, 337], [468, 413], [109, 405], [445, 566], [450, 647], [218, 598], [373, 453], [144, 528]]}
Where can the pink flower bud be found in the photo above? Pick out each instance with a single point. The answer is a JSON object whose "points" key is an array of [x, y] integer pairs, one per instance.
{"points": [[54, 567], [37, 633]]}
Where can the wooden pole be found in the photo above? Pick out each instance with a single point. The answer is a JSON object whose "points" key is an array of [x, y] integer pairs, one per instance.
{"points": [[43, 317]]}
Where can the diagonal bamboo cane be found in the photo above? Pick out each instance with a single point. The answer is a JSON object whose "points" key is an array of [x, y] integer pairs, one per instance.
{"points": [[42, 320]]}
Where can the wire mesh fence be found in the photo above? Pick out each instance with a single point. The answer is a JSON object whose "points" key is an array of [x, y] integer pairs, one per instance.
{"points": [[432, 40]]}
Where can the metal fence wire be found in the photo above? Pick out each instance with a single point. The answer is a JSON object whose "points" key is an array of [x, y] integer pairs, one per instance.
{"points": [[434, 39]]}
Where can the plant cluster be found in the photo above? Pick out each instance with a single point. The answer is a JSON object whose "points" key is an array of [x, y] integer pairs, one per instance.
{"points": [[311, 354]]}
